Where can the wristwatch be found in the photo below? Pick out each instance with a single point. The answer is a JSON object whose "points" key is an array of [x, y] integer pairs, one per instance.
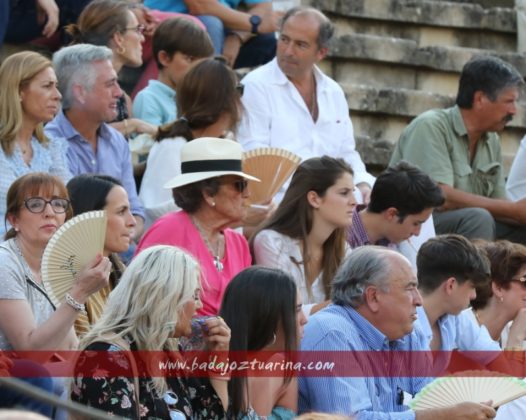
{"points": [[255, 21]]}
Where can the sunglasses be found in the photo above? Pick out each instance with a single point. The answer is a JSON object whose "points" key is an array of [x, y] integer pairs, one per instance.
{"points": [[240, 185], [171, 400], [521, 281], [38, 204]]}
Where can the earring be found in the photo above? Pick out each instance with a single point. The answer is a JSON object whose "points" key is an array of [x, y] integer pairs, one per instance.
{"points": [[501, 299], [213, 203], [273, 339], [17, 230]]}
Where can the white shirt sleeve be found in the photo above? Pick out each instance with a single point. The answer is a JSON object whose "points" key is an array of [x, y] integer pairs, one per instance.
{"points": [[516, 184]]}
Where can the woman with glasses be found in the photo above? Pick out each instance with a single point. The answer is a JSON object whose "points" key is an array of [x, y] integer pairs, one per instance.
{"points": [[208, 105], [503, 300], [500, 306], [89, 192], [29, 98], [165, 281], [37, 205], [211, 191], [263, 309], [112, 23]]}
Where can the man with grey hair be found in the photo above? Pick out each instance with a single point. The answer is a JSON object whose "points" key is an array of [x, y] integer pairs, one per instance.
{"points": [[90, 92], [289, 103], [374, 302], [459, 148]]}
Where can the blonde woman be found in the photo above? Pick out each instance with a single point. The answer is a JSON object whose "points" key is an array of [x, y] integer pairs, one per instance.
{"points": [[153, 303], [29, 98]]}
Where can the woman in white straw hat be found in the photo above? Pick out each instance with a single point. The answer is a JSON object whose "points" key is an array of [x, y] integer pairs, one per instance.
{"points": [[211, 191]]}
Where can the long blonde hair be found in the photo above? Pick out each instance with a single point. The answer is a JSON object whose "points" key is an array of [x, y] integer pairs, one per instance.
{"points": [[146, 304], [16, 72]]}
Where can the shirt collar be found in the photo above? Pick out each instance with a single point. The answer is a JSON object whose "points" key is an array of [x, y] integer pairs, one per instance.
{"points": [[279, 77], [374, 338], [459, 126], [70, 133]]}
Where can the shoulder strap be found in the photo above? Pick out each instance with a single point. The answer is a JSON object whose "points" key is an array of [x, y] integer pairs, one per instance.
{"points": [[26, 276]]}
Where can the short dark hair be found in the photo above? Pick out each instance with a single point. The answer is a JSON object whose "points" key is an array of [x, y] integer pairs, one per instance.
{"points": [[406, 188], [88, 192], [190, 197], [325, 30], [506, 259], [488, 74], [181, 35], [451, 255], [257, 302]]}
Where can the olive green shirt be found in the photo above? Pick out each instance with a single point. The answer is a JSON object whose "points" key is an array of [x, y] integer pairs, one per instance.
{"points": [[437, 142]]}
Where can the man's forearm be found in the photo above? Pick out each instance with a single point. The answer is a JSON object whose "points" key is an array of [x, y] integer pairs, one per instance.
{"points": [[503, 210]]}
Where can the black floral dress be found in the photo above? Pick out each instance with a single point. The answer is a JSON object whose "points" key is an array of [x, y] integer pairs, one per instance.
{"points": [[186, 398]]}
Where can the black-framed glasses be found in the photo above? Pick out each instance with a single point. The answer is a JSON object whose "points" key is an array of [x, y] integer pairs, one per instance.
{"points": [[240, 88], [38, 204], [139, 29]]}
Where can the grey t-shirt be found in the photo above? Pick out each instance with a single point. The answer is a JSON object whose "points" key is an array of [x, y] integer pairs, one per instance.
{"points": [[16, 284]]}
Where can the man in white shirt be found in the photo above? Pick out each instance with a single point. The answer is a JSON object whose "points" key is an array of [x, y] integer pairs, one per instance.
{"points": [[289, 103]]}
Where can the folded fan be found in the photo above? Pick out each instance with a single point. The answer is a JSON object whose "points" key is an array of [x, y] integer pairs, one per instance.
{"points": [[72, 246], [273, 166], [469, 386]]}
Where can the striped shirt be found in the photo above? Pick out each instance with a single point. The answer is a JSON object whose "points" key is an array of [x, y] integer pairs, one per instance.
{"points": [[338, 328]]}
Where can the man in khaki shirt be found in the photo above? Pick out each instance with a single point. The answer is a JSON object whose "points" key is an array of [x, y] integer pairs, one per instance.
{"points": [[460, 149]]}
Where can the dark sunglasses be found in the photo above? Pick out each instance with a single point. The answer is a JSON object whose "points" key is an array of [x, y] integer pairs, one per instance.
{"points": [[240, 184]]}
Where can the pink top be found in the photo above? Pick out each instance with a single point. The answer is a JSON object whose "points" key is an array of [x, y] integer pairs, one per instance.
{"points": [[177, 229]]}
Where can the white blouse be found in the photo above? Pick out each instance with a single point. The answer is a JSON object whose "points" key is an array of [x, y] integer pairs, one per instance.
{"points": [[272, 249]]}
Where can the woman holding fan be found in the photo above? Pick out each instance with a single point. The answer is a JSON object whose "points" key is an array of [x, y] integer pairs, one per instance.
{"points": [[37, 205]]}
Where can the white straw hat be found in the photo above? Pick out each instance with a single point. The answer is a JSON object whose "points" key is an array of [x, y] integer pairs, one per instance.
{"points": [[209, 157]]}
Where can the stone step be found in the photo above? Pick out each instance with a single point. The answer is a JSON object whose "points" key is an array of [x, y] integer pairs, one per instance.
{"points": [[433, 13], [407, 52]]}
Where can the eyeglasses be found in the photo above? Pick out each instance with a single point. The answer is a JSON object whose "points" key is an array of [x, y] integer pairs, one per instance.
{"points": [[171, 400], [139, 29], [240, 88], [38, 204]]}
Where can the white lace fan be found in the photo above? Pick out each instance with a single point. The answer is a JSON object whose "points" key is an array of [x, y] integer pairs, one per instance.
{"points": [[469, 386], [72, 246], [273, 166]]}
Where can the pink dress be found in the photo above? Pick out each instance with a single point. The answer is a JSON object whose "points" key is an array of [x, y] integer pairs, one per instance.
{"points": [[177, 229]]}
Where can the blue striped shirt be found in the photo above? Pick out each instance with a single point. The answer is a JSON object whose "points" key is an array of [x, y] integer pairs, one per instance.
{"points": [[338, 328]]}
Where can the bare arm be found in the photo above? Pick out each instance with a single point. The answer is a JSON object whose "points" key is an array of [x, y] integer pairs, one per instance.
{"points": [[503, 210], [18, 323], [234, 19]]}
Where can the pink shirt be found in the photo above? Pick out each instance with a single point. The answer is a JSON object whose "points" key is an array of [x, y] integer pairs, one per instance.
{"points": [[177, 229]]}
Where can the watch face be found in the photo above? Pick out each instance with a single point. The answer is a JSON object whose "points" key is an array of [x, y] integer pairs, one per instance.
{"points": [[255, 20]]}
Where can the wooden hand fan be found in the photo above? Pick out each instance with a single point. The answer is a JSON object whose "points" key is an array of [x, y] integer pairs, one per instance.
{"points": [[72, 246], [469, 386], [273, 166]]}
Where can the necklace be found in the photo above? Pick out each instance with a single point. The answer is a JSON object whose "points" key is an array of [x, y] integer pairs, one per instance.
{"points": [[29, 272], [217, 261]]}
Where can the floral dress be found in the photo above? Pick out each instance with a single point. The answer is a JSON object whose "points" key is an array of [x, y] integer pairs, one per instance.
{"points": [[186, 398]]}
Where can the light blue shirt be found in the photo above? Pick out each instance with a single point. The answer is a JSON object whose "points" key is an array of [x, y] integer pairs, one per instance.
{"points": [[179, 6], [460, 332], [50, 157], [113, 155], [155, 104], [338, 328]]}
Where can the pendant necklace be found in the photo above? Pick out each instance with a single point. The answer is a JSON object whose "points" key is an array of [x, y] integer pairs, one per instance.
{"points": [[217, 261]]}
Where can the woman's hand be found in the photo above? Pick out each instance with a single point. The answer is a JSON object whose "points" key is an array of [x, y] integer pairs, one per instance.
{"points": [[140, 127], [93, 277], [218, 336]]}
